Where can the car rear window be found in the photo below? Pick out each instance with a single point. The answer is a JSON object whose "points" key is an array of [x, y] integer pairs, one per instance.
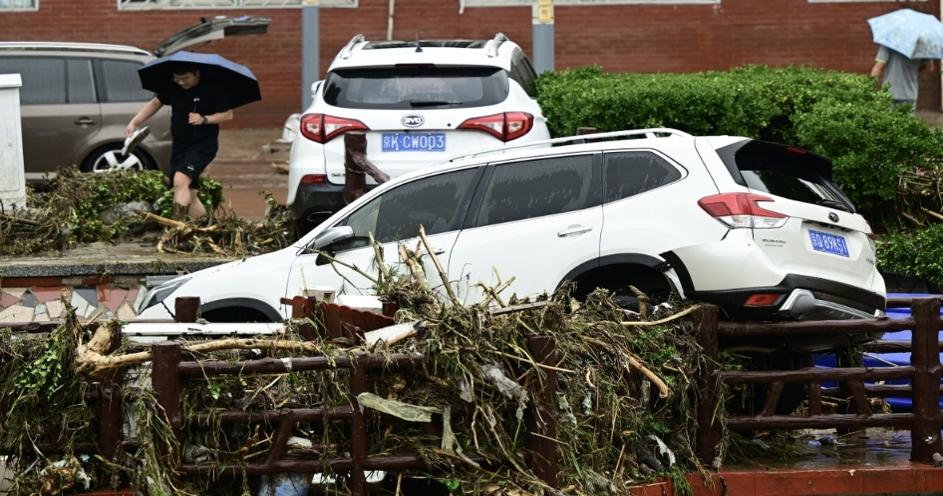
{"points": [[416, 87], [784, 171]]}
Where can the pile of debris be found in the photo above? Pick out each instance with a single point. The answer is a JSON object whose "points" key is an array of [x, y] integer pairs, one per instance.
{"points": [[625, 396], [133, 206]]}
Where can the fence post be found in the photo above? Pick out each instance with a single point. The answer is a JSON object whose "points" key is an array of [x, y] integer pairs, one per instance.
{"points": [[165, 379], [305, 307], [358, 431], [109, 407], [708, 432], [355, 180], [186, 308], [925, 358], [541, 416]]}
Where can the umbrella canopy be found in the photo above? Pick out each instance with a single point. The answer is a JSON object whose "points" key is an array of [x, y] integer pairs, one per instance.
{"points": [[240, 83], [912, 33]]}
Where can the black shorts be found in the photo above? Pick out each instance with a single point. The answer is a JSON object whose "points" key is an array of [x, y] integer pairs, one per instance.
{"points": [[191, 160]]}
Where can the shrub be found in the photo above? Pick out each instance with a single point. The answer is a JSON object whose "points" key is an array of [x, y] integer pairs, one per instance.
{"points": [[917, 254]]}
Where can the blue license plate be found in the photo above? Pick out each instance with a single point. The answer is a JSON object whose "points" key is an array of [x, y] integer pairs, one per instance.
{"points": [[828, 243], [413, 142]]}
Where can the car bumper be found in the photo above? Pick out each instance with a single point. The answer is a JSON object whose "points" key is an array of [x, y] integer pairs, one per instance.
{"points": [[799, 298]]}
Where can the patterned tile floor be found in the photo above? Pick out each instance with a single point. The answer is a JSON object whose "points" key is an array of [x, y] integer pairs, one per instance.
{"points": [[44, 303]]}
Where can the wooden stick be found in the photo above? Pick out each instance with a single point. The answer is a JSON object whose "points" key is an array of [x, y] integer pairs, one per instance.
{"points": [[438, 266]]}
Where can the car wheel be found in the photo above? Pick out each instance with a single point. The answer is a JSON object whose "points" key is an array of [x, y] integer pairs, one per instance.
{"points": [[110, 159], [303, 226]]}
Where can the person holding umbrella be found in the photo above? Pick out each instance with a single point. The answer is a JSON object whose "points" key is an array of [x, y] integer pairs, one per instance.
{"points": [[202, 90], [908, 40]]}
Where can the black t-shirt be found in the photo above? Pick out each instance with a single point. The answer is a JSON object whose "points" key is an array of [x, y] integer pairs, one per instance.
{"points": [[205, 98]]}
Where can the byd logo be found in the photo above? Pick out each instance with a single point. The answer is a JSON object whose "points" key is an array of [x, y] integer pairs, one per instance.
{"points": [[412, 120]]}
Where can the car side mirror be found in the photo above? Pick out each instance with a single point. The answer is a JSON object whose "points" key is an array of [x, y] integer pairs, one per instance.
{"points": [[330, 236]]}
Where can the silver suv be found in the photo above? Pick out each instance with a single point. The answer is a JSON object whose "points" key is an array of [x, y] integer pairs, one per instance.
{"points": [[77, 98]]}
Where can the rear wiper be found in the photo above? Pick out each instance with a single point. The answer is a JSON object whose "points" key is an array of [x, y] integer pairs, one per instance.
{"points": [[430, 103], [827, 202]]}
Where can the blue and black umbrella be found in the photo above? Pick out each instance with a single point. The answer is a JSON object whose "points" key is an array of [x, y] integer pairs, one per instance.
{"points": [[240, 83]]}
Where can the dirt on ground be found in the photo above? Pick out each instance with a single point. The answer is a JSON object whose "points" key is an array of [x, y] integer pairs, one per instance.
{"points": [[249, 162]]}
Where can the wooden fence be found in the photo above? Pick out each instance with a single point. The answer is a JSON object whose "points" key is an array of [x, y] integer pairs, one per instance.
{"points": [[170, 372]]}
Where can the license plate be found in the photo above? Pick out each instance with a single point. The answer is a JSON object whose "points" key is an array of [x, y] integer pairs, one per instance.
{"points": [[828, 243], [413, 142]]}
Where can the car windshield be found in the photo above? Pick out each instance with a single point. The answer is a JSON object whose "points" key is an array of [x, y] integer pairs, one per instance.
{"points": [[784, 171], [416, 87]]}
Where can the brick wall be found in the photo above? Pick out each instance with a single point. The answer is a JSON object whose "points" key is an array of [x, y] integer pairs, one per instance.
{"points": [[644, 38]]}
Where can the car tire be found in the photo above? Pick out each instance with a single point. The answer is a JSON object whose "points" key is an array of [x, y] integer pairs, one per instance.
{"points": [[108, 158], [793, 393], [303, 226]]}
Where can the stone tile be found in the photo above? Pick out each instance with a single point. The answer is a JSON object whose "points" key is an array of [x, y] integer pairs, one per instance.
{"points": [[7, 299], [81, 304], [41, 317], [55, 309], [16, 313], [125, 312], [111, 297], [88, 294], [18, 292], [47, 294], [28, 300], [132, 296]]}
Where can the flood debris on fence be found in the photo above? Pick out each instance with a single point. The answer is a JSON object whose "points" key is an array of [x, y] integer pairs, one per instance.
{"points": [[476, 392]]}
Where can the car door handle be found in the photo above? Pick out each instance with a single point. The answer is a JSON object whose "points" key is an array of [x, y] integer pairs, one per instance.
{"points": [[574, 231], [437, 251], [84, 121]]}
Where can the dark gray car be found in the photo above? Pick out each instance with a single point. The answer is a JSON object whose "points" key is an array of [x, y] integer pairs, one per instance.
{"points": [[77, 98]]}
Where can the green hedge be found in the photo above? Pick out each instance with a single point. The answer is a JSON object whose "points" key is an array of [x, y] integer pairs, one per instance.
{"points": [[916, 254], [836, 114]]}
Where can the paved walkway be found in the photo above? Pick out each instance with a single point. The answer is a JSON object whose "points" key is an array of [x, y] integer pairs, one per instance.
{"points": [[245, 167]]}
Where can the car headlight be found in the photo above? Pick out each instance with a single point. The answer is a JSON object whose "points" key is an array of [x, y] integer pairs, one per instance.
{"points": [[161, 292]]}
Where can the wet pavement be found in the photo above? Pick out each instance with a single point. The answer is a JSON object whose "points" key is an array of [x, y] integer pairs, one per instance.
{"points": [[246, 166]]}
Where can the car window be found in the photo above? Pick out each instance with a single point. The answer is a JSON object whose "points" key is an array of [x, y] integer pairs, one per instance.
{"points": [[630, 173], [532, 188], [523, 72], [43, 78], [438, 203], [81, 88], [121, 82], [416, 87], [783, 171]]}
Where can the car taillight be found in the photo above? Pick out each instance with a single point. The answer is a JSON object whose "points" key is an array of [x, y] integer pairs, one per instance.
{"points": [[505, 126], [313, 179], [762, 300], [742, 210], [322, 128]]}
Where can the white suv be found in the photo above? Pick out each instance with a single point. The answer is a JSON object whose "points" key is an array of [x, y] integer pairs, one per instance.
{"points": [[419, 103], [756, 227]]}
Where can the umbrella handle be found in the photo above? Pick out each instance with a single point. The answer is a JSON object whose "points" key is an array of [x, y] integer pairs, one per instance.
{"points": [[196, 101]]}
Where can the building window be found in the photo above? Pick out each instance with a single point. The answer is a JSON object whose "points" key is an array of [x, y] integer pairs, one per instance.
{"points": [[561, 3], [224, 4], [6, 5]]}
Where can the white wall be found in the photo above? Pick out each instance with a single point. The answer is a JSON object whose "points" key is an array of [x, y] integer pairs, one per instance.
{"points": [[12, 175]]}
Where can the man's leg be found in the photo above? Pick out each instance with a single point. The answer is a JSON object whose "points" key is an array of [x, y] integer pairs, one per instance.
{"points": [[182, 196], [197, 210]]}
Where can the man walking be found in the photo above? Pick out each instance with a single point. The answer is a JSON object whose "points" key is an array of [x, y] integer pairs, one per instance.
{"points": [[197, 108]]}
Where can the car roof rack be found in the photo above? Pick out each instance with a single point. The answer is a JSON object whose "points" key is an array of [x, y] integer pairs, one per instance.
{"points": [[491, 48], [655, 132], [349, 47]]}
